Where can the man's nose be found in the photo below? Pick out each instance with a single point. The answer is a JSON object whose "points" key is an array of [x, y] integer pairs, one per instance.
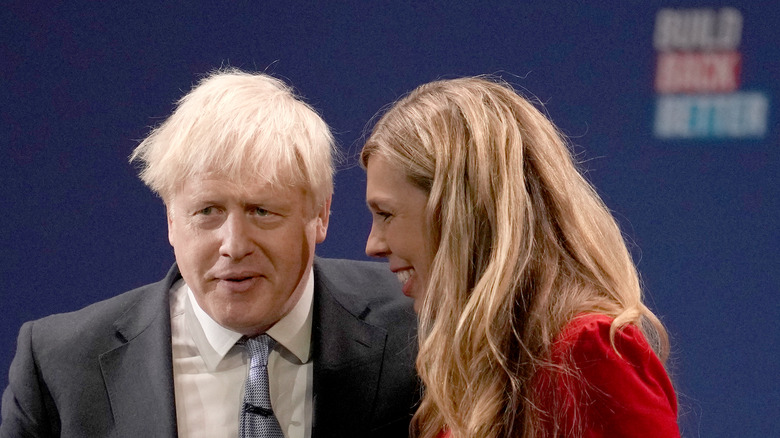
{"points": [[236, 239], [376, 245]]}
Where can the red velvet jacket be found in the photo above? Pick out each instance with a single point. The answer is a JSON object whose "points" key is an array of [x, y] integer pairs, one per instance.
{"points": [[610, 396], [625, 395]]}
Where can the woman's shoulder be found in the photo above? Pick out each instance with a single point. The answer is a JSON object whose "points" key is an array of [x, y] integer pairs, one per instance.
{"points": [[588, 334], [627, 379], [585, 343]]}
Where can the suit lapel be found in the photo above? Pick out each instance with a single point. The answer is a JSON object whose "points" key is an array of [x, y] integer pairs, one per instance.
{"points": [[347, 355], [139, 373]]}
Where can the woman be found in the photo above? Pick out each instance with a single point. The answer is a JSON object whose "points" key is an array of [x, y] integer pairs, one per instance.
{"points": [[530, 310]]}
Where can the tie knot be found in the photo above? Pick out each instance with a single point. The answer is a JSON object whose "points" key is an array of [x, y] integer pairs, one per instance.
{"points": [[258, 349]]}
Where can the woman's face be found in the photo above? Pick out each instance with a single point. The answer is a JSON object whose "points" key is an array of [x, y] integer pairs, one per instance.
{"points": [[398, 230]]}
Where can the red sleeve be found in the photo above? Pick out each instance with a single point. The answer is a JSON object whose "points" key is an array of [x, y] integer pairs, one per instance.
{"points": [[628, 396]]}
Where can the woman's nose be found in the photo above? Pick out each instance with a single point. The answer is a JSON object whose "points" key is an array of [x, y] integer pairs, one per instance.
{"points": [[376, 245]]}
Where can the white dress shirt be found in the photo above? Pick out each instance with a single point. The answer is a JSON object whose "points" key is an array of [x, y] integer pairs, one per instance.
{"points": [[209, 370]]}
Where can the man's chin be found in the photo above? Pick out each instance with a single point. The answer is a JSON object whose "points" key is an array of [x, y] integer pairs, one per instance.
{"points": [[247, 328], [237, 312]]}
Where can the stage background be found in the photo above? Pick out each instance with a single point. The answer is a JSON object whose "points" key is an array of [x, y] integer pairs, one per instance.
{"points": [[83, 81]]}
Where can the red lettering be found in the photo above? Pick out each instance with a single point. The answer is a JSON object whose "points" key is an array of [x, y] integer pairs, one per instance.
{"points": [[698, 72]]}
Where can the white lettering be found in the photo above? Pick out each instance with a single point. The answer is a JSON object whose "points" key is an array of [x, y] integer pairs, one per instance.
{"points": [[697, 29]]}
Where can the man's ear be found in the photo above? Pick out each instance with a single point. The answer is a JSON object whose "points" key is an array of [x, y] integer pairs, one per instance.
{"points": [[323, 217], [169, 216]]}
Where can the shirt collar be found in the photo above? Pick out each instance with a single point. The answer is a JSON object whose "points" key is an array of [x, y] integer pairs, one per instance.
{"points": [[214, 341], [294, 330]]}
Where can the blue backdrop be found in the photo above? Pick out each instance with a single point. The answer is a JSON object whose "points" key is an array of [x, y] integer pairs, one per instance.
{"points": [[671, 104]]}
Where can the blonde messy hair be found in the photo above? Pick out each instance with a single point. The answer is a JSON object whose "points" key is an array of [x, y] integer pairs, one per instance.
{"points": [[240, 126], [522, 241]]}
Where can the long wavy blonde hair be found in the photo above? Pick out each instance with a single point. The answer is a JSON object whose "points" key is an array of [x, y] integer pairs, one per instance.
{"points": [[523, 243]]}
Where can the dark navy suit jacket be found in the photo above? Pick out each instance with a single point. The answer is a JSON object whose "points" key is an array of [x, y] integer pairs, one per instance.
{"points": [[106, 370]]}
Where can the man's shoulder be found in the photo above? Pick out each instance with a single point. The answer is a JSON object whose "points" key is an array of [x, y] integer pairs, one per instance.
{"points": [[359, 278], [359, 285], [354, 271], [104, 314]]}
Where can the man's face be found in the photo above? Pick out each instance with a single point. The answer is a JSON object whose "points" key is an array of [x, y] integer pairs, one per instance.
{"points": [[244, 249]]}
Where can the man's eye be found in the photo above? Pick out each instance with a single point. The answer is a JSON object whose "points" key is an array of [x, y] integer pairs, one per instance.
{"points": [[206, 211], [261, 211]]}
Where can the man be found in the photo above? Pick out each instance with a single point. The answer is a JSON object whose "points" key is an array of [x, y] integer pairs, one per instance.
{"points": [[245, 171]]}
